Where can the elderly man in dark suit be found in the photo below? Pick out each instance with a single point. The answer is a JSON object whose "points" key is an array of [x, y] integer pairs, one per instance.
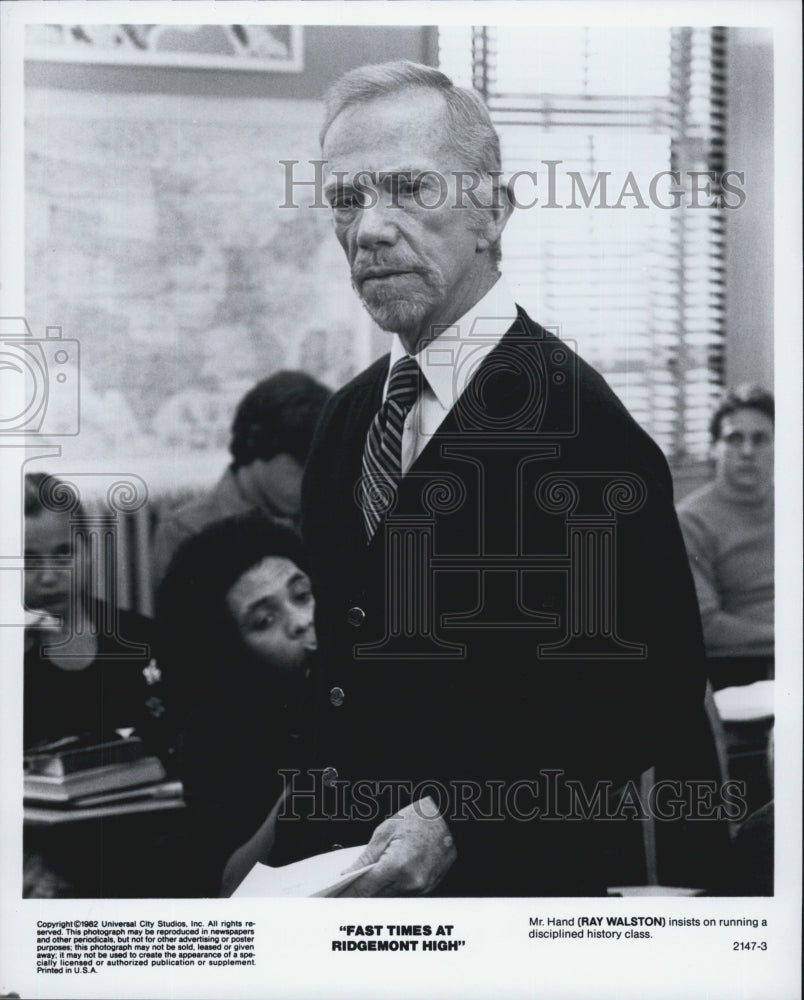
{"points": [[506, 618]]}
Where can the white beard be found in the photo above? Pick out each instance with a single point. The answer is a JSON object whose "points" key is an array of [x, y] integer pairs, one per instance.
{"points": [[402, 305]]}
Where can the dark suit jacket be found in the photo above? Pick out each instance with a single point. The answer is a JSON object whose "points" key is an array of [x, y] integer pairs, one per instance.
{"points": [[464, 647]]}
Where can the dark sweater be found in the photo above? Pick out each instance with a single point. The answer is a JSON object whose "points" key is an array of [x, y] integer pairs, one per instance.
{"points": [[230, 753], [120, 688]]}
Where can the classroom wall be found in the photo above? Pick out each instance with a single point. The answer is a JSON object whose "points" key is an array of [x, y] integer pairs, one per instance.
{"points": [[75, 110], [329, 51], [154, 236]]}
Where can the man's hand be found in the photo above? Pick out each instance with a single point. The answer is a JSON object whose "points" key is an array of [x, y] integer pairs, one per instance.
{"points": [[413, 851]]}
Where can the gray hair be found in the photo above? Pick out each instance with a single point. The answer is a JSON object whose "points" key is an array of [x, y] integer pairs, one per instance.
{"points": [[469, 130]]}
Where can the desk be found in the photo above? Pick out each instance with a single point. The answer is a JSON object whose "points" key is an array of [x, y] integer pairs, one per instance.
{"points": [[747, 713], [160, 798], [121, 850]]}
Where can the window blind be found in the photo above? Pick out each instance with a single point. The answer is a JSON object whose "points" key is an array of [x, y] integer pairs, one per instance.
{"points": [[637, 287]]}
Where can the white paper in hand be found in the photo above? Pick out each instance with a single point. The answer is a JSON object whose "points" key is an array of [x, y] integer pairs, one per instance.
{"points": [[320, 875], [746, 703]]}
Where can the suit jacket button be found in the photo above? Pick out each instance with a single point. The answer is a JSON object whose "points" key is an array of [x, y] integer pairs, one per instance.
{"points": [[336, 697], [355, 617], [329, 776], [336, 847]]}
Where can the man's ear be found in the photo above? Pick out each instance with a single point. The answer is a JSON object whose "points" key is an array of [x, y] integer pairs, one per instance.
{"points": [[714, 453], [495, 215]]}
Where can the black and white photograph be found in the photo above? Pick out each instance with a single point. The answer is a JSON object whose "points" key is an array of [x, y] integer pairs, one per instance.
{"points": [[399, 553]]}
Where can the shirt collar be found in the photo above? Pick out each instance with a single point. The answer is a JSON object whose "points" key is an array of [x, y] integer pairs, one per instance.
{"points": [[451, 359]]}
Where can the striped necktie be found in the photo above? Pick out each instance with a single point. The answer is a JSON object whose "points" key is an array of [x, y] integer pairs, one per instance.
{"points": [[382, 455]]}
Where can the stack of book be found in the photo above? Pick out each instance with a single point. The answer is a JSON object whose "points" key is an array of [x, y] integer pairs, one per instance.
{"points": [[75, 773]]}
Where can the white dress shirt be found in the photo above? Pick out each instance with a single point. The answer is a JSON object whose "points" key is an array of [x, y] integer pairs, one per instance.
{"points": [[448, 362]]}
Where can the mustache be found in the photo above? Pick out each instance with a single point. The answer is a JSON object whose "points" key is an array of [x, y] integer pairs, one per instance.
{"points": [[380, 268]]}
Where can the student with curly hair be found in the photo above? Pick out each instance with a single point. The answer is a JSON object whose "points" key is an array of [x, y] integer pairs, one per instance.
{"points": [[236, 614]]}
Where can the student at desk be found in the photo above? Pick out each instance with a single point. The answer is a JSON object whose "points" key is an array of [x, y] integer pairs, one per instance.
{"points": [[236, 611], [82, 677], [728, 530], [88, 674]]}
